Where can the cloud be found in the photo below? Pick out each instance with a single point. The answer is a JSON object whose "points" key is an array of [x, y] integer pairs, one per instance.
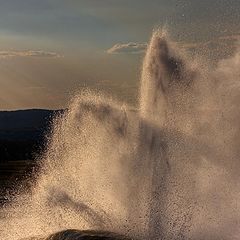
{"points": [[128, 48], [28, 53], [219, 47]]}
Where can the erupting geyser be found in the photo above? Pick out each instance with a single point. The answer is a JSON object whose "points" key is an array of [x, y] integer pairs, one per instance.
{"points": [[169, 170]]}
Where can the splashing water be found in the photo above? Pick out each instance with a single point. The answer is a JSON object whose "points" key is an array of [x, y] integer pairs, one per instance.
{"points": [[169, 170]]}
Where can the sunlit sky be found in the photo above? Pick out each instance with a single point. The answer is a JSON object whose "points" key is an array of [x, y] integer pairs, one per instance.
{"points": [[50, 49]]}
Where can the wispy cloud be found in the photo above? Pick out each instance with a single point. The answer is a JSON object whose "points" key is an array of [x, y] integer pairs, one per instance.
{"points": [[128, 48], [28, 53], [136, 48]]}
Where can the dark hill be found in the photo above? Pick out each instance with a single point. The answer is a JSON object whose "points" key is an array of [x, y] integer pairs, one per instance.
{"points": [[22, 133], [24, 125], [22, 140]]}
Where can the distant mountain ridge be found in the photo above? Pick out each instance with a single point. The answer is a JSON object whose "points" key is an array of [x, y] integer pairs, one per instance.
{"points": [[23, 125], [22, 141]]}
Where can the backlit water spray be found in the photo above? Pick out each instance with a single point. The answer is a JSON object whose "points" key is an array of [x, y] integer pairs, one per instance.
{"points": [[168, 170]]}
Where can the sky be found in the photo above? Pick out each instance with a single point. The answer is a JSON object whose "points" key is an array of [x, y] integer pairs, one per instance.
{"points": [[52, 49]]}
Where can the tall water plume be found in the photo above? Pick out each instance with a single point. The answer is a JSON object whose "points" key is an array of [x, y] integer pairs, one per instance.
{"points": [[168, 170]]}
